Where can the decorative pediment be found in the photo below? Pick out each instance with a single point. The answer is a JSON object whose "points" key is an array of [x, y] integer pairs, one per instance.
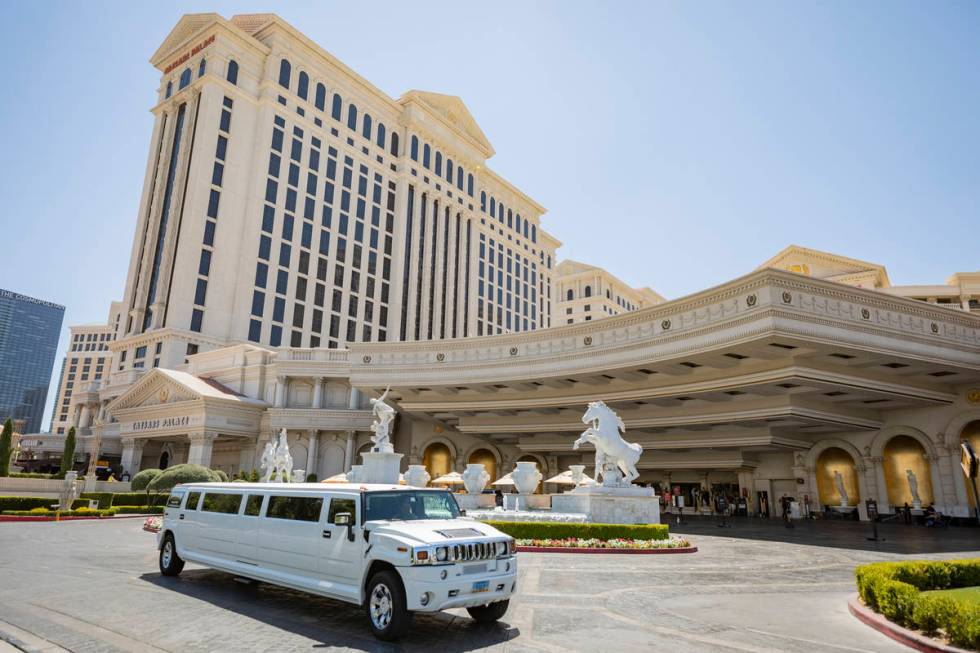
{"points": [[832, 267], [452, 110], [186, 27], [569, 267], [162, 386]]}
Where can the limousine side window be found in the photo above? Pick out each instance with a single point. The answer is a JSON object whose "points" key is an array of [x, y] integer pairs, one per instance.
{"points": [[192, 500], [342, 505], [223, 503], [174, 500], [296, 508], [253, 506]]}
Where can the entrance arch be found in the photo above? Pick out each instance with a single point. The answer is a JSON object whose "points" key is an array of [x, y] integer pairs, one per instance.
{"points": [[902, 453], [834, 460], [484, 456], [971, 434], [437, 459]]}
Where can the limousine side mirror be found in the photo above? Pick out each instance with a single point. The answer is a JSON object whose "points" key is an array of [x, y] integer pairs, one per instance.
{"points": [[344, 519]]}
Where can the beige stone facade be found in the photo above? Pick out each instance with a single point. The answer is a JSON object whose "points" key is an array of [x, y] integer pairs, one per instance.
{"points": [[585, 292]]}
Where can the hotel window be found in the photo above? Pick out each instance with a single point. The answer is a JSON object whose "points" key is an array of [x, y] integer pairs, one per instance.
{"points": [[336, 107], [381, 135], [469, 184], [285, 71], [202, 67], [394, 144], [569, 296], [232, 75], [426, 155], [588, 291], [366, 127], [459, 177], [170, 89], [415, 148], [438, 168], [449, 170], [185, 78], [320, 99], [352, 117], [303, 87]]}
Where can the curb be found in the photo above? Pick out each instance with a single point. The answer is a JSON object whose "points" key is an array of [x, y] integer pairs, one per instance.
{"points": [[560, 549], [902, 635], [28, 518]]}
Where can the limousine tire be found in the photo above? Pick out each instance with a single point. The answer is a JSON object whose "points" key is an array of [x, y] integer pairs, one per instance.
{"points": [[486, 614], [385, 605], [171, 564]]}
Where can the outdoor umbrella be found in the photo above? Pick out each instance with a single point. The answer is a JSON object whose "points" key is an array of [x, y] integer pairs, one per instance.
{"points": [[452, 478], [336, 478], [504, 480], [565, 478]]}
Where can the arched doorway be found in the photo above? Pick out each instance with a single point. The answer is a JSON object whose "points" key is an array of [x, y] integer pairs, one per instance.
{"points": [[903, 453], [487, 459], [164, 460], [532, 459], [835, 459], [971, 434], [438, 460]]}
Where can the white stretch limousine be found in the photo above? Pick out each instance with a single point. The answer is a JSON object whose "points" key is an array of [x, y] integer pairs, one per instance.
{"points": [[392, 549]]}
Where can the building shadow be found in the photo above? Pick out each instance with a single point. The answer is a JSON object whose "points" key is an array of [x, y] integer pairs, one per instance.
{"points": [[892, 537], [328, 622]]}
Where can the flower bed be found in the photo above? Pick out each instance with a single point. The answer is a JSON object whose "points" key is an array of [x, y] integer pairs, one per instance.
{"points": [[899, 591], [594, 545], [567, 531], [153, 524]]}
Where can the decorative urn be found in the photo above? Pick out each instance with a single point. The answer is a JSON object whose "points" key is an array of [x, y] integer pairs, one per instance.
{"points": [[417, 476], [356, 474], [526, 477], [475, 478], [578, 473]]}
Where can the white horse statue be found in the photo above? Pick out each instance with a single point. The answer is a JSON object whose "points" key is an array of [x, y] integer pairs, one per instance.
{"points": [[283, 461], [268, 461], [610, 448]]}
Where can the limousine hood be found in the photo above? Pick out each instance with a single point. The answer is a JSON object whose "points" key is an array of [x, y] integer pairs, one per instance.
{"points": [[433, 531]]}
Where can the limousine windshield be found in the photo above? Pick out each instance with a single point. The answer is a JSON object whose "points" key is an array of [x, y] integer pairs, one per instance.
{"points": [[405, 505]]}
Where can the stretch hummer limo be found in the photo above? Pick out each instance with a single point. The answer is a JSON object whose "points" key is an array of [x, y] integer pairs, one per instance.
{"points": [[392, 549]]}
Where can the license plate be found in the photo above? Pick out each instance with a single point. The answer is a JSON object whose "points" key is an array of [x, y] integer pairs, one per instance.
{"points": [[481, 586]]}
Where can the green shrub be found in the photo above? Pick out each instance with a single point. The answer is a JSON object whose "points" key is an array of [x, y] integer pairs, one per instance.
{"points": [[139, 510], [44, 512], [184, 473], [254, 476], [311, 478], [68, 454], [931, 612], [31, 475], [6, 446], [143, 478], [522, 530], [964, 629], [138, 499], [221, 474], [104, 498], [29, 503]]}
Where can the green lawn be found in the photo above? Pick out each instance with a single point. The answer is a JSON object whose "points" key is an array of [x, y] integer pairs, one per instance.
{"points": [[965, 595]]}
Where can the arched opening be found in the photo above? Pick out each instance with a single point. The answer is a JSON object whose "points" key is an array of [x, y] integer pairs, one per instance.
{"points": [[831, 460], [437, 459], [285, 72], [164, 460], [971, 434], [320, 97], [185, 78], [303, 87], [903, 453], [588, 291], [531, 459], [570, 295], [487, 459], [232, 75]]}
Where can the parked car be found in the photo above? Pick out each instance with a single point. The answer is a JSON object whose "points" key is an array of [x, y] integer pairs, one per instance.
{"points": [[394, 550]]}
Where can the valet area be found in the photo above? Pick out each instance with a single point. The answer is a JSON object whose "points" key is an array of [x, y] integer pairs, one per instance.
{"points": [[773, 385]]}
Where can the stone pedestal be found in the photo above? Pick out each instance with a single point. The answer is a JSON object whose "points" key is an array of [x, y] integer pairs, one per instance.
{"points": [[610, 505], [475, 501], [380, 467]]}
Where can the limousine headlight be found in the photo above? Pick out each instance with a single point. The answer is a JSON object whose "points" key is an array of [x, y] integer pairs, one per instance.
{"points": [[442, 554]]}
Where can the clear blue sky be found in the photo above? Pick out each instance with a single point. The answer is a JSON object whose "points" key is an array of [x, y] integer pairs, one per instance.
{"points": [[677, 144]]}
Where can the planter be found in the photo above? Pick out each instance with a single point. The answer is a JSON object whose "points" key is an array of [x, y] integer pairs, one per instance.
{"points": [[900, 634], [416, 476], [560, 549], [526, 477], [475, 478]]}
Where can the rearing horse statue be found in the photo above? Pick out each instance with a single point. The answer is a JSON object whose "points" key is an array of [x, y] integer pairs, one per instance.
{"points": [[610, 447]]}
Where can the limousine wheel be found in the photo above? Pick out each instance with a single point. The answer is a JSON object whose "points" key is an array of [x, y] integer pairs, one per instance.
{"points": [[486, 614], [170, 563], [386, 606]]}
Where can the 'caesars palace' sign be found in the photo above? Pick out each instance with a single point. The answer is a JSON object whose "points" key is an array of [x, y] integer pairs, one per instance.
{"points": [[187, 55], [165, 423]]}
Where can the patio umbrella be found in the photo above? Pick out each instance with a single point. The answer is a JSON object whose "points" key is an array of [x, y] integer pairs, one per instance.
{"points": [[336, 478], [504, 480], [565, 478], [452, 478]]}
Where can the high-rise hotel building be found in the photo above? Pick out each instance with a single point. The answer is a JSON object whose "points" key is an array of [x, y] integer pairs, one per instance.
{"points": [[290, 203]]}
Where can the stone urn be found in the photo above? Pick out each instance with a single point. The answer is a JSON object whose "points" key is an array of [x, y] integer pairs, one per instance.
{"points": [[578, 473], [526, 477], [417, 476], [356, 474], [299, 476], [475, 478]]}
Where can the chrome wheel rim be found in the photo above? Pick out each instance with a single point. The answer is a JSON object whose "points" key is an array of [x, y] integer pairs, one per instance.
{"points": [[381, 606], [168, 553]]}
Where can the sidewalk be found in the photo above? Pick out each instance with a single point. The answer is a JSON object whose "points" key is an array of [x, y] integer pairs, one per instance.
{"points": [[16, 640]]}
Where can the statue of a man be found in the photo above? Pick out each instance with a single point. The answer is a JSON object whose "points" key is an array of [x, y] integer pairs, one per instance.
{"points": [[384, 415], [268, 461], [283, 460], [839, 482], [913, 487]]}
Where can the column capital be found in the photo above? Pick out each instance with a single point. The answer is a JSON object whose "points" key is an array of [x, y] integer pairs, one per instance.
{"points": [[312, 433], [202, 436]]}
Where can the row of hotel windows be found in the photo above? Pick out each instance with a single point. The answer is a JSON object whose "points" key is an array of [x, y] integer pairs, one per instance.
{"points": [[587, 292], [91, 341], [83, 376], [374, 238], [507, 289]]}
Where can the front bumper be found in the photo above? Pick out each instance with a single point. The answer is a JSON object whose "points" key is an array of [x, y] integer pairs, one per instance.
{"points": [[500, 582]]}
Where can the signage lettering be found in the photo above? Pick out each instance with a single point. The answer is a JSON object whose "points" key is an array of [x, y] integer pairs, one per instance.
{"points": [[165, 423], [187, 55]]}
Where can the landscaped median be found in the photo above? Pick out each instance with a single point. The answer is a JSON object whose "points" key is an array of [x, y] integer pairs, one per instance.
{"points": [[927, 604], [29, 509], [554, 537]]}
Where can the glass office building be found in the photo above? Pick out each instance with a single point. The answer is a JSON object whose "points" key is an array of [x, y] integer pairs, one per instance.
{"points": [[29, 330]]}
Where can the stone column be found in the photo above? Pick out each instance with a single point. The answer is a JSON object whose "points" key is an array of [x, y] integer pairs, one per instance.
{"points": [[200, 450], [879, 472], [745, 483], [282, 383], [354, 401], [317, 395], [132, 455], [349, 450], [311, 449], [85, 419]]}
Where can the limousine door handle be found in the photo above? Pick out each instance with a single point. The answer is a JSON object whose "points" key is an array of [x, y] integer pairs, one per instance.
{"points": [[327, 534]]}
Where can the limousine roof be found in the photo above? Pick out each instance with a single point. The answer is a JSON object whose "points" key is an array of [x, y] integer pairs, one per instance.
{"points": [[299, 487]]}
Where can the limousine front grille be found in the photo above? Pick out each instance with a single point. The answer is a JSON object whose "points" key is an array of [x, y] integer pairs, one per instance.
{"points": [[470, 551]]}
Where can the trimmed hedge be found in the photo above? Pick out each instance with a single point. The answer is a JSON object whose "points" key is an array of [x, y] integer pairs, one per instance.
{"points": [[139, 499], [143, 478], [31, 475], [527, 530], [29, 503], [139, 510], [44, 512], [182, 473], [104, 498], [894, 589]]}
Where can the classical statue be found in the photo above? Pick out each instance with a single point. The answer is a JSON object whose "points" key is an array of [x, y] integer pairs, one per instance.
{"points": [[384, 415], [839, 482], [283, 462], [268, 461], [913, 488], [69, 491], [612, 454]]}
